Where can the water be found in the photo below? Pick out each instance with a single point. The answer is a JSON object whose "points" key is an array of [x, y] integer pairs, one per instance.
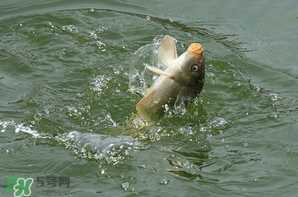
{"points": [[66, 98]]}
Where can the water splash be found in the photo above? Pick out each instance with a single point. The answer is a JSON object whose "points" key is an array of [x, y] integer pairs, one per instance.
{"points": [[70, 28], [5, 124], [219, 123], [108, 118], [139, 77], [125, 186], [98, 147], [19, 128], [100, 83], [100, 45]]}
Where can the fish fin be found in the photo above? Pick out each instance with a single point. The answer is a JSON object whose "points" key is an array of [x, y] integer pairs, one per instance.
{"points": [[144, 105], [147, 99], [158, 71], [167, 51]]}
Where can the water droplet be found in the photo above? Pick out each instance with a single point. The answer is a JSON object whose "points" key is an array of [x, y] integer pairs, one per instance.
{"points": [[102, 171], [101, 29], [274, 97], [100, 45], [125, 186], [108, 117], [164, 181], [99, 83], [70, 28], [203, 129], [51, 25], [142, 166], [188, 130], [93, 35], [116, 71], [274, 115], [166, 107], [219, 123]]}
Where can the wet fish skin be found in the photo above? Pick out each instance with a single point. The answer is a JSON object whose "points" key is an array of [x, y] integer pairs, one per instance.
{"points": [[183, 79]]}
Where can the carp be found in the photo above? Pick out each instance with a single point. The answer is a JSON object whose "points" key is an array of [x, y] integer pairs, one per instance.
{"points": [[182, 80]]}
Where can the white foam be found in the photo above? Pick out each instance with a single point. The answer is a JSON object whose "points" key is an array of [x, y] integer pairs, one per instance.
{"points": [[18, 128], [25, 129]]}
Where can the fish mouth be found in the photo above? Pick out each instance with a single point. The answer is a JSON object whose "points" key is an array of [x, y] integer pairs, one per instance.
{"points": [[196, 49]]}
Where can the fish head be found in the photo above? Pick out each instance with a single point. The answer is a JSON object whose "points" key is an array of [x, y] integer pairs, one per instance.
{"points": [[191, 67]]}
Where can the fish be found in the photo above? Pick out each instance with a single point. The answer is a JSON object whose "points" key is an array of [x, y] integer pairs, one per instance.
{"points": [[182, 80]]}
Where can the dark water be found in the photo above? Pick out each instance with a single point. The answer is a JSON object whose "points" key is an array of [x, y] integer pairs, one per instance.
{"points": [[65, 98]]}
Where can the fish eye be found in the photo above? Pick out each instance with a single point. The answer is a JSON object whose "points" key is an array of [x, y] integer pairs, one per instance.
{"points": [[195, 68]]}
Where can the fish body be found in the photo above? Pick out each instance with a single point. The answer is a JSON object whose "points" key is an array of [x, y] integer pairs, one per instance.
{"points": [[183, 78]]}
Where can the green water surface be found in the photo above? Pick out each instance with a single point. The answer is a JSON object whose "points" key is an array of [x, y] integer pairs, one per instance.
{"points": [[65, 98]]}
